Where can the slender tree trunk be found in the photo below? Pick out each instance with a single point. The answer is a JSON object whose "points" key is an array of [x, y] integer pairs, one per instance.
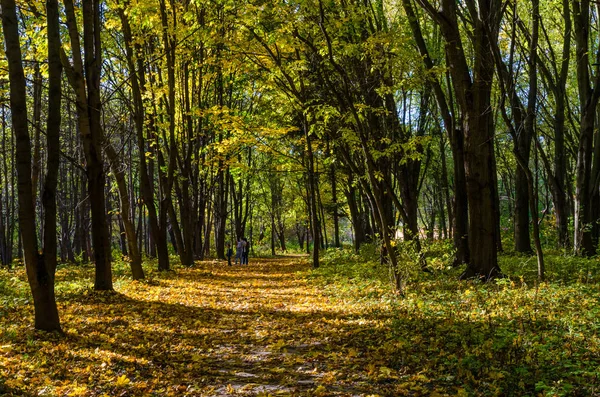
{"points": [[48, 311], [334, 199], [272, 233], [558, 189], [445, 191], [355, 216], [37, 127], [135, 257], [312, 192], [221, 212]]}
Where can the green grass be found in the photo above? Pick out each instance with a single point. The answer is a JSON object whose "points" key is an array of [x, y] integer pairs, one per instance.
{"points": [[509, 337]]}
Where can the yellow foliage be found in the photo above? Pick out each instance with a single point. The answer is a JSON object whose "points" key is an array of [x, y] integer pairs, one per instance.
{"points": [[122, 381]]}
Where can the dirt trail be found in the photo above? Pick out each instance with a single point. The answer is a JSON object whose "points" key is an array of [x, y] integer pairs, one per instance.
{"points": [[272, 333]]}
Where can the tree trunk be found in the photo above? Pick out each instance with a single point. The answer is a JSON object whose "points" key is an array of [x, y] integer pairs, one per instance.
{"points": [[589, 94], [40, 267], [460, 206], [560, 164], [521, 232], [472, 87], [37, 127], [334, 199], [135, 257], [445, 193], [85, 80], [221, 211], [272, 233], [312, 199]]}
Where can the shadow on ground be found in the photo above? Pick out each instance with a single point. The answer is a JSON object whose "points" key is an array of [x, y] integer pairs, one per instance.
{"points": [[210, 330]]}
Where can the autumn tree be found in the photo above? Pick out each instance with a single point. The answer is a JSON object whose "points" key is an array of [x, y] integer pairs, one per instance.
{"points": [[472, 84], [84, 76], [588, 85]]}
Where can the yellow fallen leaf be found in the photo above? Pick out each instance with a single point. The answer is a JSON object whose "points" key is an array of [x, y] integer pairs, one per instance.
{"points": [[122, 381], [320, 391]]}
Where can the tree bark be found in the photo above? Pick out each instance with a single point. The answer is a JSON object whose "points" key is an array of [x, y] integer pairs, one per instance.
{"points": [[334, 199], [85, 80], [312, 181], [589, 94], [40, 267]]}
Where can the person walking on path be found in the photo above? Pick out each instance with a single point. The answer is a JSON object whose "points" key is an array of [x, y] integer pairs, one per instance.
{"points": [[239, 251], [246, 248]]}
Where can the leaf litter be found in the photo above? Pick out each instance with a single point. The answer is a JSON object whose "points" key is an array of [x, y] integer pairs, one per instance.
{"points": [[211, 330]]}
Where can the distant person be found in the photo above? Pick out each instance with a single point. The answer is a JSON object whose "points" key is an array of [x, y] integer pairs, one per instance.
{"points": [[238, 252], [246, 247], [229, 254]]}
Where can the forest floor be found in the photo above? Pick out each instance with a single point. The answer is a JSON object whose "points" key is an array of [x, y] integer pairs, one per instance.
{"points": [[211, 330], [277, 327]]}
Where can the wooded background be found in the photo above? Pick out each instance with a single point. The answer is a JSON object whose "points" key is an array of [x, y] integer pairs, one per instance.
{"points": [[153, 127]]}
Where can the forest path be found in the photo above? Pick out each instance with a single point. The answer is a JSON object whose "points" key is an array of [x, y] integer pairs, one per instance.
{"points": [[211, 330], [263, 329]]}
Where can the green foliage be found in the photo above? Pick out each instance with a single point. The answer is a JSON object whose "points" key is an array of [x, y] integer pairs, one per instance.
{"points": [[511, 337], [344, 264], [13, 291]]}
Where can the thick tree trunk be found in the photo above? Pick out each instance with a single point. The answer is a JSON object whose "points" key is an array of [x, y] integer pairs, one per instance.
{"points": [[521, 232], [85, 80], [589, 94], [40, 267], [460, 206], [482, 214], [472, 86]]}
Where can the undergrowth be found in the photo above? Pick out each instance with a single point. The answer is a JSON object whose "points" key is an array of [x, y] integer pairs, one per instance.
{"points": [[510, 337]]}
